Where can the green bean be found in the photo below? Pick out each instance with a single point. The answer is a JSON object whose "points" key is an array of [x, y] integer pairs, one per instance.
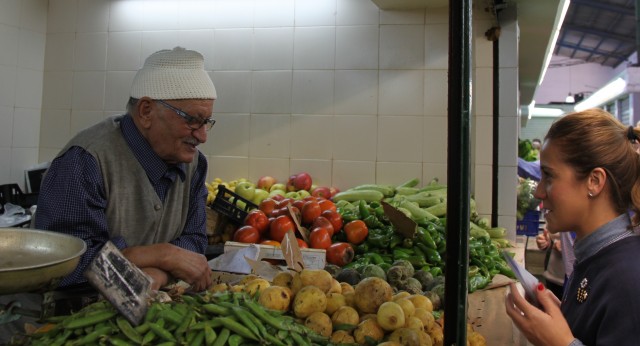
{"points": [[216, 309], [198, 340], [262, 330], [92, 337], [171, 316], [161, 332], [119, 342], [128, 331], [264, 316], [274, 340], [209, 335], [235, 340], [242, 315], [60, 340], [149, 337], [222, 337], [184, 325], [299, 339], [142, 329], [237, 328], [82, 322]]}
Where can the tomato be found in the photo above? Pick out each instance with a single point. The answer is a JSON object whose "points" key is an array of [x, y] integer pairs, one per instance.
{"points": [[340, 254], [334, 217], [310, 211], [246, 234], [309, 198], [281, 226], [268, 205], [319, 238], [326, 204], [258, 219], [356, 231], [322, 221], [270, 242], [302, 244]]}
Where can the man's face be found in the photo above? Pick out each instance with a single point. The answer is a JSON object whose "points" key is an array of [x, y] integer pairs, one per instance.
{"points": [[169, 134]]}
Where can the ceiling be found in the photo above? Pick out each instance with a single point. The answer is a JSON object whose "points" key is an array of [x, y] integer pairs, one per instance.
{"points": [[598, 31]]}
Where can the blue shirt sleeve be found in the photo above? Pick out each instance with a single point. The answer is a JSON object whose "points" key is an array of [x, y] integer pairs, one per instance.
{"points": [[72, 201]]}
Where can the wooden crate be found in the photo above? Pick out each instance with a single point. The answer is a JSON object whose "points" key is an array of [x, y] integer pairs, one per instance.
{"points": [[312, 258]]}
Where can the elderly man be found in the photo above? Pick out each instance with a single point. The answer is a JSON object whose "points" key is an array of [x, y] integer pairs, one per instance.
{"points": [[137, 179]]}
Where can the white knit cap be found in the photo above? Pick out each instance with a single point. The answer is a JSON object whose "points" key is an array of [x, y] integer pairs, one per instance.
{"points": [[173, 74]]}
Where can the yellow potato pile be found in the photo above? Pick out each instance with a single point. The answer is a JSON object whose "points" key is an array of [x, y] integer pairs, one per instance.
{"points": [[346, 314]]}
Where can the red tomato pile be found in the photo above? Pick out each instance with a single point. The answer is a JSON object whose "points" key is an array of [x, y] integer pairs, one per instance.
{"points": [[272, 220]]}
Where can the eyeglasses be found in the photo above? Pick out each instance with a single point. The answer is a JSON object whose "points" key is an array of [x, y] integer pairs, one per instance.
{"points": [[194, 123]]}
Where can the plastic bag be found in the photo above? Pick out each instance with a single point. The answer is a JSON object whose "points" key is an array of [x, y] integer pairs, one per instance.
{"points": [[13, 215]]}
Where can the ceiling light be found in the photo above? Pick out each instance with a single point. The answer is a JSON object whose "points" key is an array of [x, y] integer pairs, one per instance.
{"points": [[569, 99], [608, 92]]}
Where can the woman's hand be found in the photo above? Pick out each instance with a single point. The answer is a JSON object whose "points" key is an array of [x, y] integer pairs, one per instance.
{"points": [[541, 327], [542, 240]]}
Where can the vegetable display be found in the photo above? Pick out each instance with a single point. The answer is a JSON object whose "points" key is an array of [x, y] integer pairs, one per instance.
{"points": [[385, 248]]}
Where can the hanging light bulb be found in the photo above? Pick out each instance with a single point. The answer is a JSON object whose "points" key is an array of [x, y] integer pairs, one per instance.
{"points": [[570, 99]]}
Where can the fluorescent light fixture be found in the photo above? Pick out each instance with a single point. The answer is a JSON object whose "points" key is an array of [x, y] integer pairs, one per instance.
{"points": [[569, 99], [546, 112], [608, 92], [552, 43]]}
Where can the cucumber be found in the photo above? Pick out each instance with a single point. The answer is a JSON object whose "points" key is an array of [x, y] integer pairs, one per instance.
{"points": [[410, 183], [497, 232], [438, 210], [425, 200], [357, 195], [387, 190]]}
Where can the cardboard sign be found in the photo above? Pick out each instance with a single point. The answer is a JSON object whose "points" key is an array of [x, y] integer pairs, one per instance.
{"points": [[291, 252], [404, 225], [122, 283]]}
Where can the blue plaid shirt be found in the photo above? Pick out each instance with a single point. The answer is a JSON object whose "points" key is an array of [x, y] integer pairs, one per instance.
{"points": [[72, 198]]}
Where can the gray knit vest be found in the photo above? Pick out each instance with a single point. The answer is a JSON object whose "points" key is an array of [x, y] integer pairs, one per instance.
{"points": [[134, 210]]}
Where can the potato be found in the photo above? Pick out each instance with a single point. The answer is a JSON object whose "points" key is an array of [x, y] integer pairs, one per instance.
{"points": [[346, 288], [276, 298], [248, 278], [407, 306], [368, 328], [437, 335], [320, 323], [350, 299], [342, 337], [345, 315], [476, 339], [256, 285], [335, 286], [316, 277], [389, 343], [334, 302], [236, 288], [309, 300], [401, 294], [283, 279], [221, 287], [390, 316], [405, 337], [368, 316], [428, 321], [414, 323], [425, 339], [370, 293], [420, 301]]}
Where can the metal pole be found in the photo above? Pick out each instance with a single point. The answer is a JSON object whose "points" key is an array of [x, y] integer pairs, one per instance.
{"points": [[458, 173]]}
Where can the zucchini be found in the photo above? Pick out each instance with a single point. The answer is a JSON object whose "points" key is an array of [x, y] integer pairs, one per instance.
{"points": [[425, 200], [416, 212], [439, 209], [387, 190], [497, 232], [410, 183], [357, 195], [406, 191]]}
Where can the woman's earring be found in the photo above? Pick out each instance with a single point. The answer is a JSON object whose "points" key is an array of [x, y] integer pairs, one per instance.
{"points": [[590, 194]]}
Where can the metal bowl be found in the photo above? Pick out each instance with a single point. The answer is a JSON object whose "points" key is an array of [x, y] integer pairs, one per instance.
{"points": [[33, 260]]}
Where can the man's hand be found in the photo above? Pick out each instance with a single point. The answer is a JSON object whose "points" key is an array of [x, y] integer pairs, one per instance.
{"points": [[175, 261], [542, 240]]}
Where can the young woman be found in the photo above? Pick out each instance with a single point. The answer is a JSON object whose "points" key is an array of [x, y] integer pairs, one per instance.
{"points": [[591, 185]]}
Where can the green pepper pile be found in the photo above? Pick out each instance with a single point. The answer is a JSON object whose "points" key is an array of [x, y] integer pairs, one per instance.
{"points": [[425, 251]]}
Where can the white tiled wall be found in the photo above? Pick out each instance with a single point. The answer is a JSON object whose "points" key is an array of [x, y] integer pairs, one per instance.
{"points": [[338, 88], [23, 27]]}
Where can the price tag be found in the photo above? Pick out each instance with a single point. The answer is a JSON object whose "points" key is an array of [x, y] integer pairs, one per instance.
{"points": [[122, 283]]}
